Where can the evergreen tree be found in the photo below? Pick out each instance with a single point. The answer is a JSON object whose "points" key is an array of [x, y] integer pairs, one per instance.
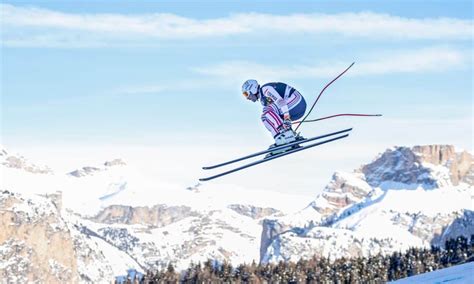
{"points": [[374, 269]]}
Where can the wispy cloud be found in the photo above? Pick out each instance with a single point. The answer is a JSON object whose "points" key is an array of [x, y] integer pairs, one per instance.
{"points": [[30, 26], [424, 60]]}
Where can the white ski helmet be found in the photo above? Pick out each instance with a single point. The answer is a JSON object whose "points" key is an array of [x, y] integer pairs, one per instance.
{"points": [[250, 89]]}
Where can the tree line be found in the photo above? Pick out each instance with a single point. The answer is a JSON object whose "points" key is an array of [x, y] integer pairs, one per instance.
{"points": [[375, 269]]}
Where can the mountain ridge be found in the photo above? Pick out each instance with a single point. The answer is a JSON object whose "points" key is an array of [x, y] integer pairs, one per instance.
{"points": [[379, 190], [120, 227]]}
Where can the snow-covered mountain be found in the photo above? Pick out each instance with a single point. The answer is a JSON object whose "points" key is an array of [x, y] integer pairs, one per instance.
{"points": [[405, 197], [16, 161], [119, 219], [110, 217], [85, 171], [39, 243]]}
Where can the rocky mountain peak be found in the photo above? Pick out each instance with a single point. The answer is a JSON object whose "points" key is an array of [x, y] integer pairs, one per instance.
{"points": [[41, 243], [21, 163], [34, 225], [344, 189], [157, 216], [115, 162], [254, 212], [460, 164], [416, 165], [435, 154], [359, 214], [90, 170]]}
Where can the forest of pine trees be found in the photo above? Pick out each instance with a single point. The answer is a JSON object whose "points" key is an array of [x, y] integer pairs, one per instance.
{"points": [[375, 269]]}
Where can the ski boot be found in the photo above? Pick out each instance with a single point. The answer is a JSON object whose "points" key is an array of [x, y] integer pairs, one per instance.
{"points": [[284, 137]]}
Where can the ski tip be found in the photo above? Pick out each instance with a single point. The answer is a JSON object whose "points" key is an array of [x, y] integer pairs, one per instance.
{"points": [[210, 167]]}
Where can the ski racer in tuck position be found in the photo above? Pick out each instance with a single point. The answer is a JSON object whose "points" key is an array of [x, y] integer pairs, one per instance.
{"points": [[282, 104]]}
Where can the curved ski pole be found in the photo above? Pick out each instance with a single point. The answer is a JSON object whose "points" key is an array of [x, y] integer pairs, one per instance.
{"points": [[275, 148], [273, 157], [321, 93]]}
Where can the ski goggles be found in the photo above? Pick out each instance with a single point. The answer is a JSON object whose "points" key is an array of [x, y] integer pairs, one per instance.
{"points": [[245, 94]]}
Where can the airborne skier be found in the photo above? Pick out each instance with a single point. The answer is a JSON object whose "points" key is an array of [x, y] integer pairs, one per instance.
{"points": [[282, 104]]}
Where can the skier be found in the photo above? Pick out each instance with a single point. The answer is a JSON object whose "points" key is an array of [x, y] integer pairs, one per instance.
{"points": [[282, 104]]}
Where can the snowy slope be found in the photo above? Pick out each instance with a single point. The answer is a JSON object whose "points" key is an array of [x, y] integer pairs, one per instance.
{"points": [[219, 234], [89, 189], [459, 274]]}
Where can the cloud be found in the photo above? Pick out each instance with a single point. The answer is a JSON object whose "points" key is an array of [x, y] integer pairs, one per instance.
{"points": [[30, 26], [433, 59]]}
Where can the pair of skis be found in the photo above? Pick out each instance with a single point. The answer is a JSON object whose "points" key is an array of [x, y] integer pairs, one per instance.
{"points": [[295, 147]]}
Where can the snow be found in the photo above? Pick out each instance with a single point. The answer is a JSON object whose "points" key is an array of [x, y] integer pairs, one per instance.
{"points": [[459, 274], [440, 173], [427, 201], [229, 231], [119, 261], [355, 179], [127, 185], [59, 270], [395, 214], [215, 231], [16, 265], [377, 220]]}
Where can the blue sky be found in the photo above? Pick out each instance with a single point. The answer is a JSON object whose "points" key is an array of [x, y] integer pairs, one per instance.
{"points": [[145, 73]]}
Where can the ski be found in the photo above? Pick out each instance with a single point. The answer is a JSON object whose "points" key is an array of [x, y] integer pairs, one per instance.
{"points": [[274, 157], [305, 140]]}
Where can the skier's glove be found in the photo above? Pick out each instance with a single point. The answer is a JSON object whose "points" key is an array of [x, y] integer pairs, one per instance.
{"points": [[287, 121]]}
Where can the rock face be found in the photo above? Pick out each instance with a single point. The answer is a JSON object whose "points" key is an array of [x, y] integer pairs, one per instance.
{"points": [[221, 235], [115, 162], [342, 190], [156, 216], [40, 243], [85, 171], [405, 197], [19, 162], [35, 244], [155, 236], [408, 166], [462, 225], [460, 165], [89, 170], [254, 212]]}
